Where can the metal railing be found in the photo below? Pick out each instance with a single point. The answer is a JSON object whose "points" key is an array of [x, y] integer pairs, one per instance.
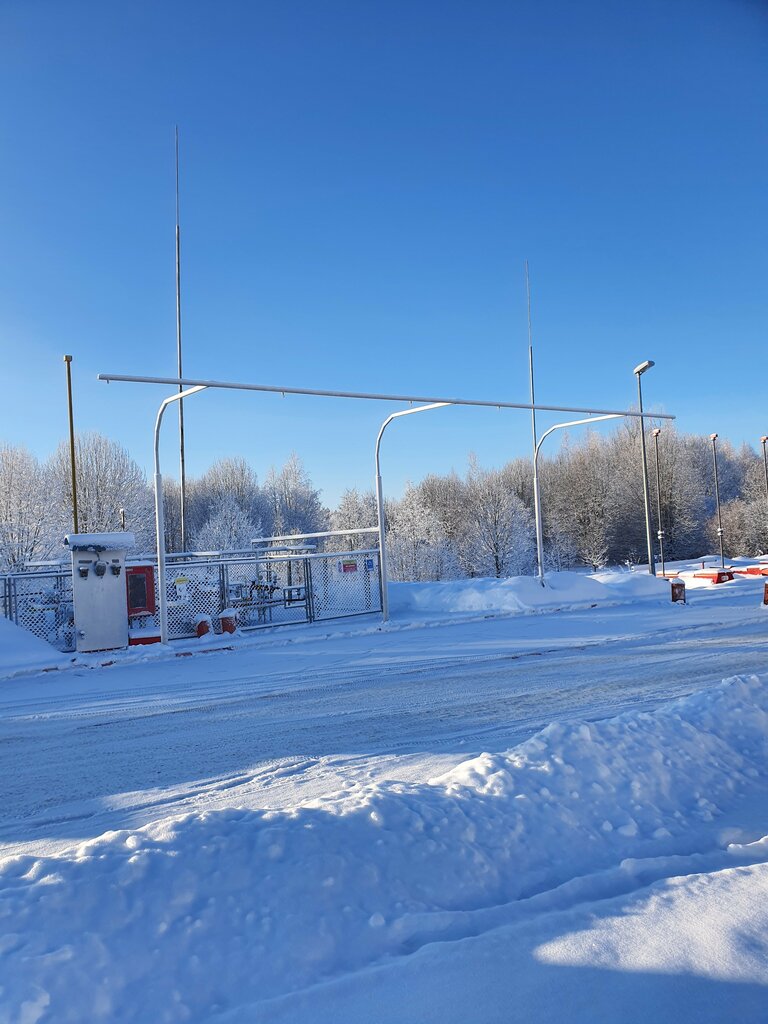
{"points": [[260, 592]]}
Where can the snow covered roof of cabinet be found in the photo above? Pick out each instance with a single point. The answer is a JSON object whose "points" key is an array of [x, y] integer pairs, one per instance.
{"points": [[100, 541]]}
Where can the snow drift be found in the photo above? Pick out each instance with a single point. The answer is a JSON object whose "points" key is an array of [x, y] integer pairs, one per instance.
{"points": [[525, 593], [22, 651], [187, 918]]}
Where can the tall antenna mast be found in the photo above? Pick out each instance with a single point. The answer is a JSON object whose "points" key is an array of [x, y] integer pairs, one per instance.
{"points": [[530, 355], [182, 470]]}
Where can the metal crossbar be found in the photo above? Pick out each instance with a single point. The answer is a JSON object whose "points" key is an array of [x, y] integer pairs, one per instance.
{"points": [[368, 396]]}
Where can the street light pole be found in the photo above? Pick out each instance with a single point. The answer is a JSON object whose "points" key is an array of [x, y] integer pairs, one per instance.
{"points": [[660, 532], [639, 371], [713, 439], [765, 464], [380, 500], [536, 493]]}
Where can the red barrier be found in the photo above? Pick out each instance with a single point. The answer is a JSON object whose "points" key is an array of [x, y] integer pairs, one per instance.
{"points": [[716, 575]]}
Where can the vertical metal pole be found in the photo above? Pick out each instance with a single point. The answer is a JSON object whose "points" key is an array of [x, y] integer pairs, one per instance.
{"points": [[713, 439], [530, 356], [763, 441], [160, 512], [646, 495], [536, 495], [660, 532], [182, 467], [72, 460], [160, 532], [382, 540], [537, 513], [380, 498]]}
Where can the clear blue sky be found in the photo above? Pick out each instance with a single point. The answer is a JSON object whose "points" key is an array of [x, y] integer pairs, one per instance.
{"points": [[361, 184]]}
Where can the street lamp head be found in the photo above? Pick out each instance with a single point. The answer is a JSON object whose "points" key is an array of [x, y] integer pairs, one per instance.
{"points": [[713, 437], [764, 439], [656, 431], [640, 370]]}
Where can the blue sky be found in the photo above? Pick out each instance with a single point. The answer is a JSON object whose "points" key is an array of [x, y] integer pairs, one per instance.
{"points": [[361, 185]]}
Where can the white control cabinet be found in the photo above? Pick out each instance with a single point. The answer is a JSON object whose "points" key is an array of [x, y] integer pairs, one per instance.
{"points": [[98, 587]]}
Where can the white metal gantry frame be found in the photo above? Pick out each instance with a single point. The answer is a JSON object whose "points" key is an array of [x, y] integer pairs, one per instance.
{"points": [[188, 386]]}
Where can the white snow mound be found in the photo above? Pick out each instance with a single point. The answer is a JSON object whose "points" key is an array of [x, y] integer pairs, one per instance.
{"points": [[187, 918], [525, 594], [22, 651]]}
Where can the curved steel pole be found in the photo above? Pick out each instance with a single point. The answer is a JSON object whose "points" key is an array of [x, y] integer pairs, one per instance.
{"points": [[159, 511], [380, 500], [536, 495]]}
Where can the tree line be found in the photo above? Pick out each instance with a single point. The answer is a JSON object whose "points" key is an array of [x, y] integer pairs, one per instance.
{"points": [[479, 523]]}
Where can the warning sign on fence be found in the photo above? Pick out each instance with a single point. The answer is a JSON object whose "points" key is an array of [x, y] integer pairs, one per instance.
{"points": [[348, 565]]}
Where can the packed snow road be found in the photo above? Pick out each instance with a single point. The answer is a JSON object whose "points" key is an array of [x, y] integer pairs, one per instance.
{"points": [[295, 716]]}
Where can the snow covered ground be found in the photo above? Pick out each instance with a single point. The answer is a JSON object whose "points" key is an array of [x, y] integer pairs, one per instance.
{"points": [[380, 824]]}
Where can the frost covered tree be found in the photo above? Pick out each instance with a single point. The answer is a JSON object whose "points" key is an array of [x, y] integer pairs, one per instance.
{"points": [[499, 539], [225, 478], [355, 511], [576, 498], [417, 547], [27, 530], [108, 480], [444, 497], [293, 503], [229, 528]]}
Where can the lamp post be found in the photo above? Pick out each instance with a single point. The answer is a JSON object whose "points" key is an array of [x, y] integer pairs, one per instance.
{"points": [[765, 464], [713, 439], [638, 372], [380, 499], [536, 491], [660, 531]]}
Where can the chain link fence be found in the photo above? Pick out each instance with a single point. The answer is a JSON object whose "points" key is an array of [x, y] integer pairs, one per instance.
{"points": [[260, 590], [42, 603]]}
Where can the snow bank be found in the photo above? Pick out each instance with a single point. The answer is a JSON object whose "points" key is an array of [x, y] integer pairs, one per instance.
{"points": [[22, 651], [188, 918], [525, 593]]}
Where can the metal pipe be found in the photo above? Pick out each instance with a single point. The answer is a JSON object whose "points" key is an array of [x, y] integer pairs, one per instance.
{"points": [[660, 531], [72, 459], [380, 500], [639, 371], [322, 533], [536, 494], [713, 439], [159, 510], [273, 389]]}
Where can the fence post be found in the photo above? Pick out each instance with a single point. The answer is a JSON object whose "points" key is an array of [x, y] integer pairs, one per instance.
{"points": [[223, 587], [310, 592]]}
